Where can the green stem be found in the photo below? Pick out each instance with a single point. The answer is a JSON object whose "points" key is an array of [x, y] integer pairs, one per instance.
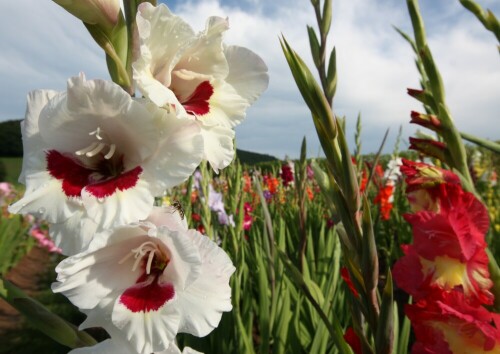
{"points": [[487, 144]]}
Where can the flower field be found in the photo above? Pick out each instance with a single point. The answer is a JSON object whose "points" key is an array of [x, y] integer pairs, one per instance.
{"points": [[136, 228]]}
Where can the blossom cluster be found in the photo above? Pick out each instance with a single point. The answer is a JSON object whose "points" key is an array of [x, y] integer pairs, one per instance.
{"points": [[95, 159], [445, 270]]}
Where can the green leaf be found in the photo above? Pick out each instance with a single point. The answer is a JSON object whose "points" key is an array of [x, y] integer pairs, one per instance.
{"points": [[311, 92], [315, 48], [385, 330], [331, 87], [418, 23], [326, 20], [40, 317], [369, 260], [333, 327]]}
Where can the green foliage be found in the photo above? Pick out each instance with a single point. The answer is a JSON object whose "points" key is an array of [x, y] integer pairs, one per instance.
{"points": [[12, 167], [11, 144], [3, 171]]}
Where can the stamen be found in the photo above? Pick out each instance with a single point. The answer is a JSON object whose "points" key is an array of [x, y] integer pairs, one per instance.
{"points": [[111, 151], [97, 133], [147, 248], [96, 150], [87, 149], [150, 260], [184, 74]]}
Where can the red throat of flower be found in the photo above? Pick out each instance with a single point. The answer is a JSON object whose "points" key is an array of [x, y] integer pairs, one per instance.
{"points": [[76, 177], [198, 102], [148, 293]]}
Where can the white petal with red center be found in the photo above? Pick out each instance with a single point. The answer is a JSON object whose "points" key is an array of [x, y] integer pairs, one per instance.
{"points": [[150, 331], [163, 36], [88, 278], [99, 111], [227, 107], [179, 153], [202, 303], [45, 198], [64, 237], [205, 55], [117, 202], [218, 145], [247, 72]]}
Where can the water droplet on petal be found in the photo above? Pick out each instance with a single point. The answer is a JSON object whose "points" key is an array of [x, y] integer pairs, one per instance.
{"points": [[41, 211], [100, 200]]}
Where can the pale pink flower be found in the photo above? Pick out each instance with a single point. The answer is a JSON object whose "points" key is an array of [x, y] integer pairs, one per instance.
{"points": [[150, 281]]}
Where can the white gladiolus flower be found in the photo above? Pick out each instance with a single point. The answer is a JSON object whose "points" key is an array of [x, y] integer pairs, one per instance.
{"points": [[95, 158], [150, 281], [197, 76], [110, 346]]}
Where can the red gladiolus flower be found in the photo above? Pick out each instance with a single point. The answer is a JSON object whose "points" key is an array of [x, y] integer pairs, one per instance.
{"points": [[272, 184], [448, 250], [287, 174], [364, 181], [423, 183], [385, 198], [353, 340], [449, 324], [344, 273], [247, 183], [247, 218], [421, 175]]}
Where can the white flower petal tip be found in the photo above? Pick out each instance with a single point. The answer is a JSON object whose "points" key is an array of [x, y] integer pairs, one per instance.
{"points": [[95, 152], [150, 281]]}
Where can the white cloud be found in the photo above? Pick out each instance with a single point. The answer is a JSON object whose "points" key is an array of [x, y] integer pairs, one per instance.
{"points": [[375, 65]]}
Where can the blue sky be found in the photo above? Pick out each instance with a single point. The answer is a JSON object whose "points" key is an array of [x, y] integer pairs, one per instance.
{"points": [[42, 46]]}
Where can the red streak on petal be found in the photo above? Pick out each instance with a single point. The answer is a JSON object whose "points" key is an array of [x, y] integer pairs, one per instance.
{"points": [[122, 182], [147, 294], [197, 103], [74, 176]]}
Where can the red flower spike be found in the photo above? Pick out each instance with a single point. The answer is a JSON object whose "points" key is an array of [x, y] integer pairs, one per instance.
{"points": [[447, 323]]}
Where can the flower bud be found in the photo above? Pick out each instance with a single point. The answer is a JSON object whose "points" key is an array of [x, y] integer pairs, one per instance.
{"points": [[428, 121], [93, 12], [429, 147]]}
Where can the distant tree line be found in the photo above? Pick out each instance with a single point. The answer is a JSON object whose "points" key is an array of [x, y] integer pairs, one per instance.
{"points": [[11, 144]]}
